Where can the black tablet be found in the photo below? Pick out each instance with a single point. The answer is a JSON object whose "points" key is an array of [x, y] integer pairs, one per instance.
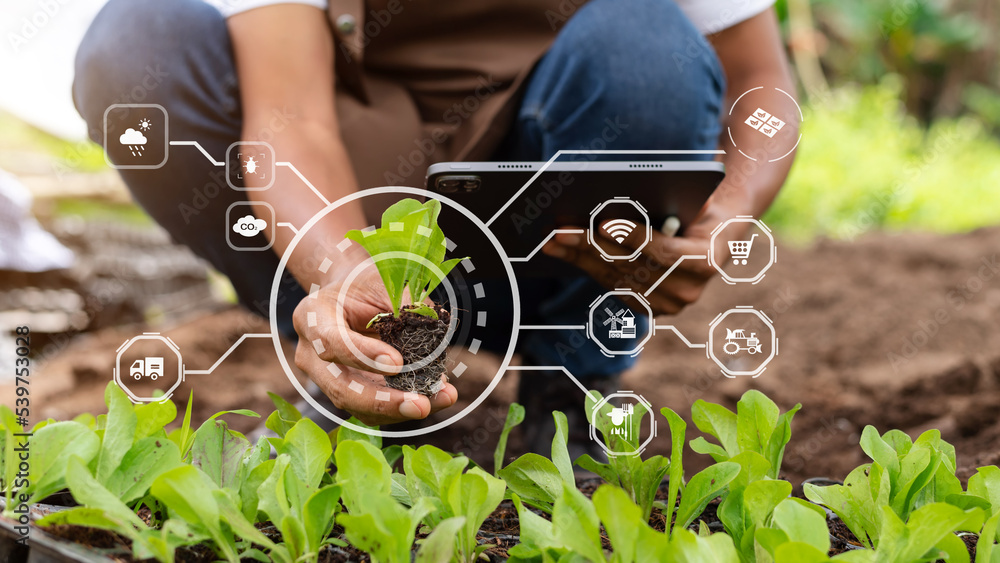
{"points": [[522, 207]]}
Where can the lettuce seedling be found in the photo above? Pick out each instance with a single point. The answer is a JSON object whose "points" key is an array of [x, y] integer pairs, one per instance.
{"points": [[756, 426], [574, 533], [191, 495], [292, 495], [409, 249], [700, 490], [375, 521], [515, 416], [538, 480], [903, 475], [435, 476], [746, 509], [928, 534], [103, 509], [125, 449], [984, 488], [640, 478], [795, 521]]}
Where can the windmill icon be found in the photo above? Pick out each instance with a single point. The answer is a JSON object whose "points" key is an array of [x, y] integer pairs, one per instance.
{"points": [[622, 323]]}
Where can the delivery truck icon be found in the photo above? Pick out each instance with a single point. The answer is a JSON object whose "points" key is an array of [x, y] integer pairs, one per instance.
{"points": [[157, 359], [150, 367]]}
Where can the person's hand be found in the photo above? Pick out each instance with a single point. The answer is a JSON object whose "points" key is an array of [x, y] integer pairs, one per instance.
{"points": [[358, 387], [682, 287]]}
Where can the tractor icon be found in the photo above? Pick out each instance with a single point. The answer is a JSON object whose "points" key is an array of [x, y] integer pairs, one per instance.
{"points": [[751, 343]]}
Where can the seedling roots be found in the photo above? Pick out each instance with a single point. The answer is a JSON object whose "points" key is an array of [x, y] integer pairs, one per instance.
{"points": [[416, 337]]}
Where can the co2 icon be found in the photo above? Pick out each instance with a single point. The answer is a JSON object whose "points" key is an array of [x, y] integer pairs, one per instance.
{"points": [[245, 228]]}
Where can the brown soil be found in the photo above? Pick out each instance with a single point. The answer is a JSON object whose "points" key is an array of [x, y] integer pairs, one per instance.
{"points": [[840, 309], [416, 337]]}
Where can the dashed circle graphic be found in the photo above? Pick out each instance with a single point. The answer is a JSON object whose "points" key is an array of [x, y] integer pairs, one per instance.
{"points": [[479, 292]]}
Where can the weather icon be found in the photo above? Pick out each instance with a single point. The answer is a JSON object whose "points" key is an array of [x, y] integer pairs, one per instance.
{"points": [[134, 140], [145, 124], [249, 226]]}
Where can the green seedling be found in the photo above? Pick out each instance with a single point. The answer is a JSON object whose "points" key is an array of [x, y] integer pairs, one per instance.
{"points": [[125, 449], [435, 476], [757, 426], [191, 496], [291, 492], [409, 250], [640, 478], [700, 490], [574, 533], [903, 475], [928, 536], [103, 509], [537, 480], [515, 416], [376, 522], [795, 521]]}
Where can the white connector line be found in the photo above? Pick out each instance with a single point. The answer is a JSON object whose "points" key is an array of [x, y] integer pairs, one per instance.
{"points": [[552, 327], [586, 151], [306, 182], [224, 356], [671, 269], [556, 368], [290, 226], [679, 335], [547, 239], [201, 148]]}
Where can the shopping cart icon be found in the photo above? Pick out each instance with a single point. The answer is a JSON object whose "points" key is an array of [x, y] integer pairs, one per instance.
{"points": [[740, 250]]}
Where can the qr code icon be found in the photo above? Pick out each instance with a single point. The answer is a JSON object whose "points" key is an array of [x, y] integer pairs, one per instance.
{"points": [[764, 122]]}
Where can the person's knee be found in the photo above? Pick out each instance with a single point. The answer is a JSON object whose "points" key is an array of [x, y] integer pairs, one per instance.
{"points": [[125, 57], [651, 64]]}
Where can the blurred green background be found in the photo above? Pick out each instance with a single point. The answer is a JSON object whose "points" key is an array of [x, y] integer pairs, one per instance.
{"points": [[902, 117], [902, 127]]}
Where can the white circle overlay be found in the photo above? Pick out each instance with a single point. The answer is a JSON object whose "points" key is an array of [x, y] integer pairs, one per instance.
{"points": [[276, 339]]}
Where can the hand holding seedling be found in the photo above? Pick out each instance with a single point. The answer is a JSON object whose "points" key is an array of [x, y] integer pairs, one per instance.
{"points": [[392, 300], [365, 299]]}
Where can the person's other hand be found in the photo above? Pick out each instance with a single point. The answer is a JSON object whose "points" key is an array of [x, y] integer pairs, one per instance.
{"points": [[352, 384], [682, 287]]}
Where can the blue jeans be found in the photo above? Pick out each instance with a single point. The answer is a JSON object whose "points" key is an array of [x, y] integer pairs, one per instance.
{"points": [[620, 75]]}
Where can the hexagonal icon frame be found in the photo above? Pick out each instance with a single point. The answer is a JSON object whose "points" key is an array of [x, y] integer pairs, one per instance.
{"points": [[652, 423], [173, 348], [229, 162], [742, 309], [773, 257], [645, 216], [591, 324]]}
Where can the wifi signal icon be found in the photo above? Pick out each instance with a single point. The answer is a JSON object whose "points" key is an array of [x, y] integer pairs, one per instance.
{"points": [[619, 229]]}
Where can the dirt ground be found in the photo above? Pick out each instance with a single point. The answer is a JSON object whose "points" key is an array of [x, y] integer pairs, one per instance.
{"points": [[899, 331]]}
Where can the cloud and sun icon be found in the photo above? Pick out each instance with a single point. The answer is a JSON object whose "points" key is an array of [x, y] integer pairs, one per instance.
{"points": [[135, 140]]}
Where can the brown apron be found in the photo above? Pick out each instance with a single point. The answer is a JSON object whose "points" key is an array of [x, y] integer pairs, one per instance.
{"points": [[425, 81]]}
